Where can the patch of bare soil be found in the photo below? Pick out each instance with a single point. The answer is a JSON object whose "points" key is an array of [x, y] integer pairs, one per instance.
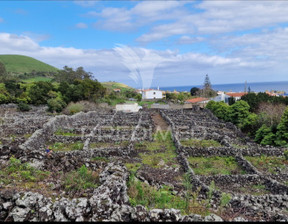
{"points": [[159, 122]]}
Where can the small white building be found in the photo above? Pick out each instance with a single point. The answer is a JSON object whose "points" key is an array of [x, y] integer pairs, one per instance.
{"points": [[128, 107], [151, 94]]}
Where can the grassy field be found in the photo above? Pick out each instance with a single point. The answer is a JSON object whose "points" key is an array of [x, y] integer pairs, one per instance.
{"points": [[117, 85], [20, 64], [215, 165]]}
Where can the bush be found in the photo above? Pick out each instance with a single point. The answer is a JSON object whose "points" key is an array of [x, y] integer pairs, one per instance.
{"points": [[81, 179], [56, 104], [23, 107], [73, 108]]}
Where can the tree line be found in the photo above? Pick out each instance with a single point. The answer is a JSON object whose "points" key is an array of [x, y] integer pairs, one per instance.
{"points": [[67, 86], [262, 117]]}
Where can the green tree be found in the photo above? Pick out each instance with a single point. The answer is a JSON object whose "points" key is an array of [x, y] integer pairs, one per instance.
{"points": [[68, 75], [194, 91], [39, 92], [239, 112], [282, 130], [222, 111], [4, 95], [207, 83], [207, 90], [250, 124], [264, 135]]}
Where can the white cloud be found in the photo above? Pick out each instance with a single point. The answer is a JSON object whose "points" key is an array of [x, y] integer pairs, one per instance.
{"points": [[175, 68], [144, 13], [189, 40], [81, 25], [218, 17]]}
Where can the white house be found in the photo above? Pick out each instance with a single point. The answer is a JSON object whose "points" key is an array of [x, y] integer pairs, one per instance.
{"points": [[225, 96], [128, 107], [151, 94]]}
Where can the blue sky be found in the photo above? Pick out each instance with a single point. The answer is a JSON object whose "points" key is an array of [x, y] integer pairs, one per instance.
{"points": [[232, 41]]}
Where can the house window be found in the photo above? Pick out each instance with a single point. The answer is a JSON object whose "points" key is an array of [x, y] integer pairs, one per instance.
{"points": [[154, 93]]}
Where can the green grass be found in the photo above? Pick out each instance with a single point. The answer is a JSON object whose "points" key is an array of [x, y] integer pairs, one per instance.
{"points": [[215, 165], [20, 64], [64, 132], [255, 189], [146, 103], [133, 167], [82, 178], [108, 144], [65, 147], [22, 174], [117, 85], [237, 146], [149, 196], [199, 143], [161, 149], [267, 163]]}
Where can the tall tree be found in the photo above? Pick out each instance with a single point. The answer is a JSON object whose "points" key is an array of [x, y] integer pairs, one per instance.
{"points": [[207, 83], [207, 90]]}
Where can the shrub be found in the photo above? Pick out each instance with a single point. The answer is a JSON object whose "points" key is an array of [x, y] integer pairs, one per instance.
{"points": [[73, 108], [56, 104], [81, 179], [23, 107]]}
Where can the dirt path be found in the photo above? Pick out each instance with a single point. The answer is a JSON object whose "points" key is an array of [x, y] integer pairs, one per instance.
{"points": [[159, 122]]}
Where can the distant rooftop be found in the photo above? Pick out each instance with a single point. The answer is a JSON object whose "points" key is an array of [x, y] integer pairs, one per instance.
{"points": [[236, 94], [196, 100]]}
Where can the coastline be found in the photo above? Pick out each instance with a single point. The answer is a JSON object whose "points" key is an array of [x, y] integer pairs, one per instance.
{"points": [[235, 87]]}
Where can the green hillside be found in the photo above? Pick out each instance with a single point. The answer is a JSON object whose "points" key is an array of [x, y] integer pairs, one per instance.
{"points": [[19, 64], [117, 85]]}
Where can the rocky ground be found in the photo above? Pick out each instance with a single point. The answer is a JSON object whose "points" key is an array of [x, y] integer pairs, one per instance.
{"points": [[113, 147]]}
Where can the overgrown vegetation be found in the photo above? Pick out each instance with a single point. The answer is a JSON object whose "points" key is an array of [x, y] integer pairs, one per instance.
{"points": [[200, 143], [66, 132], [143, 194], [82, 178], [65, 147], [21, 173], [215, 165], [268, 164], [159, 152]]}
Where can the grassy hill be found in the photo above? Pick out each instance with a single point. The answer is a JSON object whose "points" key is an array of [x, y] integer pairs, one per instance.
{"points": [[19, 64], [117, 85]]}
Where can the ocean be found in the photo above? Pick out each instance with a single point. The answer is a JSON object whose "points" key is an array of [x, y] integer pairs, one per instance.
{"points": [[237, 87]]}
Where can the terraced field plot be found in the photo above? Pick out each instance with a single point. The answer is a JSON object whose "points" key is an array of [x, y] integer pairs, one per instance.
{"points": [[215, 166], [269, 164], [106, 164]]}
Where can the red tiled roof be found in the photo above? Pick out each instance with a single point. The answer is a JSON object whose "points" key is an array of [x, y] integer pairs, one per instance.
{"points": [[236, 94], [196, 100]]}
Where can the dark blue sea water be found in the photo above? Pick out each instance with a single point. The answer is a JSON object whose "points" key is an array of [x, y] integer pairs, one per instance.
{"points": [[237, 87]]}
